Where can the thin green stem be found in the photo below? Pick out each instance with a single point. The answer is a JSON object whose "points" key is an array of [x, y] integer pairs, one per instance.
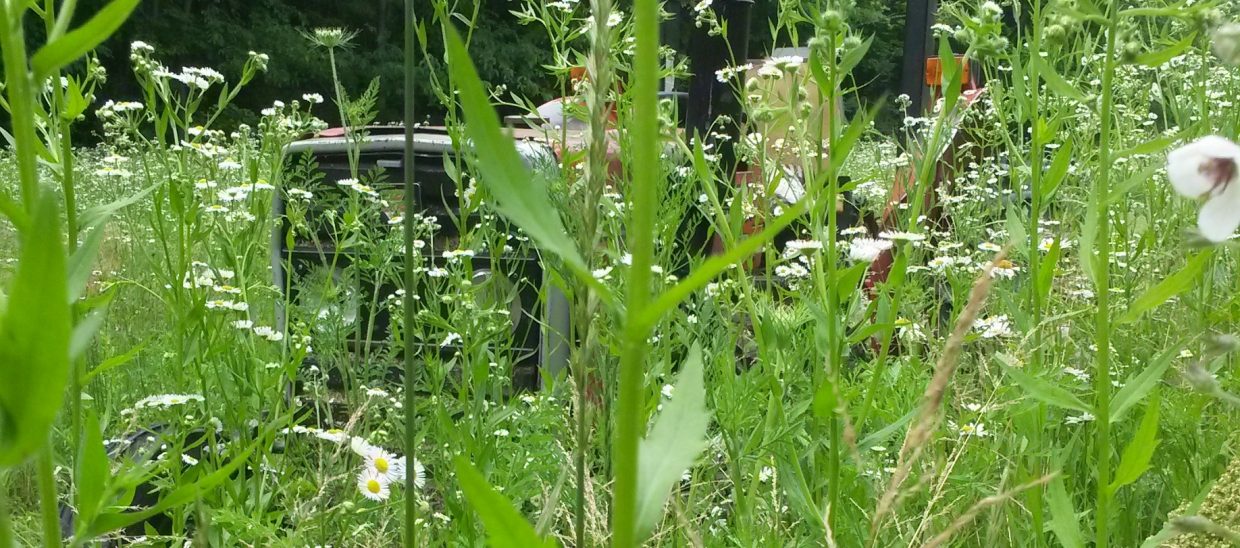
{"points": [[410, 441], [21, 99], [47, 497], [1102, 335], [631, 418]]}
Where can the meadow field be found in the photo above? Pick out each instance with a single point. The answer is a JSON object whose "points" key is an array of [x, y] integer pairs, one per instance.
{"points": [[1048, 358]]}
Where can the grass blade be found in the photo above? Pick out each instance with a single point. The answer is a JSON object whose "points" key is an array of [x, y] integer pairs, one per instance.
{"points": [[1137, 455]]}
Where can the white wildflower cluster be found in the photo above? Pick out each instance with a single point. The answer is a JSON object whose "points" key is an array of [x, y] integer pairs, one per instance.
{"points": [[777, 67], [195, 78], [356, 186], [994, 327], [165, 401], [728, 74], [204, 275], [867, 250], [381, 469]]}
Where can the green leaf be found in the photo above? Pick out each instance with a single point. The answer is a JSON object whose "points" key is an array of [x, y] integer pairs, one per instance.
{"points": [[715, 265], [1046, 271], [887, 431], [1017, 233], [1045, 391], [92, 470], [84, 332], [1058, 170], [1171, 286], [113, 362], [505, 526], [34, 342], [520, 194], [1064, 523], [81, 263], [96, 216], [852, 57], [1140, 385], [1056, 83], [1136, 458], [1158, 58], [1152, 146], [674, 443], [1120, 192], [73, 45]]}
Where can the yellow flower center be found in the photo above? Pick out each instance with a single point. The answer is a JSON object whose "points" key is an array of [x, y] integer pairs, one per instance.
{"points": [[381, 465], [1005, 264], [374, 486]]}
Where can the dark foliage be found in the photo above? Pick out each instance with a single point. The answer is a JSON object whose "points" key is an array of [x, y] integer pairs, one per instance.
{"points": [[219, 33]]}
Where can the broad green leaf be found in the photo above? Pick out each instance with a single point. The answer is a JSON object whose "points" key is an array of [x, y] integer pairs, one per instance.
{"points": [[1089, 233], [715, 265], [1046, 392], [113, 362], [1046, 271], [92, 470], [1058, 170], [674, 443], [886, 432], [96, 216], [34, 342], [799, 493], [853, 56], [1120, 192], [505, 526], [825, 400], [1056, 83], [1152, 146], [1171, 286], [76, 43], [1064, 523], [1140, 385], [1136, 458], [1017, 233], [520, 194], [1156, 59], [82, 262], [84, 332]]}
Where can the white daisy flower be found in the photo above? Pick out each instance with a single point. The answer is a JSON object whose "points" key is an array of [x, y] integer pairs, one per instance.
{"points": [[384, 464], [373, 485], [867, 249]]}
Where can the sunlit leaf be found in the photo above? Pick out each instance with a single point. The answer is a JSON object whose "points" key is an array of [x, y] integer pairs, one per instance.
{"points": [[79, 41], [34, 341], [1171, 286], [674, 443]]}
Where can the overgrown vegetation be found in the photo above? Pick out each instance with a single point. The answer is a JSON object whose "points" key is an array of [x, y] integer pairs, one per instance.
{"points": [[1048, 360]]}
